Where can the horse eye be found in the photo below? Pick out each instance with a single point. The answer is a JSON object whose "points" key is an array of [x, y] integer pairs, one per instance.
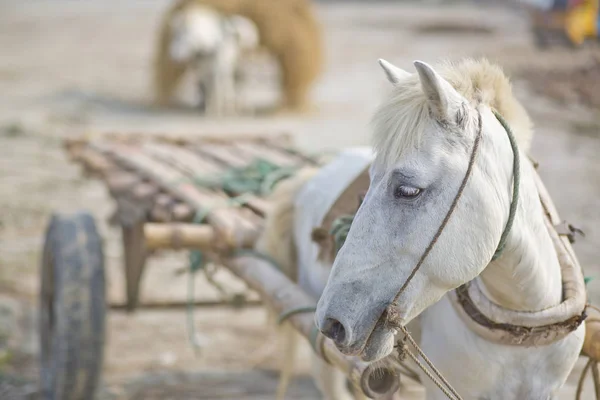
{"points": [[406, 192]]}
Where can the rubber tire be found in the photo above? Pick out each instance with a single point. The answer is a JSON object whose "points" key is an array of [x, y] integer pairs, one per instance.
{"points": [[72, 309]]}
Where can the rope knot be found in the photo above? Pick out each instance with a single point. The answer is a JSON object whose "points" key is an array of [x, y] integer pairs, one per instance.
{"points": [[392, 318], [402, 348]]}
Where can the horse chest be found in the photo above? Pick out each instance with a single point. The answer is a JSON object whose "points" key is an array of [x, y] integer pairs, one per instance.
{"points": [[480, 369]]}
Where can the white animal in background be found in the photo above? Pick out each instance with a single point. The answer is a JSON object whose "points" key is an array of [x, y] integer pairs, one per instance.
{"points": [[211, 45]]}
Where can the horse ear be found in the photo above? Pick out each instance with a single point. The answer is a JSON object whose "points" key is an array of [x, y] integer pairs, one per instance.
{"points": [[444, 101], [393, 73]]}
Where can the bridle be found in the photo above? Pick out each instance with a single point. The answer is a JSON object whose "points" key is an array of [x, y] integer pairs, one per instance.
{"points": [[391, 317]]}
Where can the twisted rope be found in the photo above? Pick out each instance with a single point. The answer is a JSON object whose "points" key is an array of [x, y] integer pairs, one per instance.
{"points": [[435, 375], [258, 177]]}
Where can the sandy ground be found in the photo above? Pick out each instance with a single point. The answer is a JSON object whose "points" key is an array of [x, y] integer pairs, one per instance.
{"points": [[67, 68]]}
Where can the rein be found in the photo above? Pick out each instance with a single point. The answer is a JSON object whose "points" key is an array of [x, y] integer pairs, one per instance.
{"points": [[391, 313]]}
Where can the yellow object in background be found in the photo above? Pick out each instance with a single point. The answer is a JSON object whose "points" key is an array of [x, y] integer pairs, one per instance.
{"points": [[575, 20], [581, 22]]}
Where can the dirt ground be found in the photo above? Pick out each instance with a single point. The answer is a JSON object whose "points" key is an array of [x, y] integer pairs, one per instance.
{"points": [[67, 68]]}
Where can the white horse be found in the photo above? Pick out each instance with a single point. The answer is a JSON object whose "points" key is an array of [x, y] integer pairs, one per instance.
{"points": [[424, 136], [211, 45]]}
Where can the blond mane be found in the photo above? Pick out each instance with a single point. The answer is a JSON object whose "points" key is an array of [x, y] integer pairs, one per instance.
{"points": [[399, 123]]}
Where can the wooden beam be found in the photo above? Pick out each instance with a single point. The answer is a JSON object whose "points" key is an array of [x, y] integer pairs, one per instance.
{"points": [[283, 295], [179, 236]]}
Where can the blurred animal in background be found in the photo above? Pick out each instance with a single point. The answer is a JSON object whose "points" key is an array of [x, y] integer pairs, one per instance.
{"points": [[573, 20], [288, 29], [210, 45]]}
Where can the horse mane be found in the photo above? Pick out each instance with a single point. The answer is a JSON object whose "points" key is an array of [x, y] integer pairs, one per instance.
{"points": [[400, 122]]}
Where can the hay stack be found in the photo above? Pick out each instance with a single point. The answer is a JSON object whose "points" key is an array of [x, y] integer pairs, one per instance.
{"points": [[288, 29]]}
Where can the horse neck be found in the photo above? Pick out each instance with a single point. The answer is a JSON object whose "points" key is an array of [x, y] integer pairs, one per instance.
{"points": [[527, 276]]}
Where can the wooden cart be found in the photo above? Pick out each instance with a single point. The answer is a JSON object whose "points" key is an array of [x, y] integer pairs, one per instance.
{"points": [[171, 193], [166, 197]]}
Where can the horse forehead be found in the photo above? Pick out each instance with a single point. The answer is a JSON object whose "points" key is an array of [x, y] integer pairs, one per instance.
{"points": [[421, 161]]}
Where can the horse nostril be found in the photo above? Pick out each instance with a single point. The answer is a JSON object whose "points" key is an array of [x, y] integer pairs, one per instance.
{"points": [[334, 330]]}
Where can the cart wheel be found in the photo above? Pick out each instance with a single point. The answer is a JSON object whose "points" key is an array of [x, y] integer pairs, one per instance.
{"points": [[72, 309]]}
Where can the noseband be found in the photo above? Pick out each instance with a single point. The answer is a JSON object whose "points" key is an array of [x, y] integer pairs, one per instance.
{"points": [[391, 315]]}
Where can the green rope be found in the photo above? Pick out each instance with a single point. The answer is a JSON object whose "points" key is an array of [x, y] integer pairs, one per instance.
{"points": [[271, 179], [340, 227], [253, 177], [259, 178], [197, 262], [516, 182], [192, 336], [339, 230]]}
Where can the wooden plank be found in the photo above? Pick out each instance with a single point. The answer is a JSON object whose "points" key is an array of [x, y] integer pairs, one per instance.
{"points": [[255, 203], [135, 254], [261, 151], [282, 138], [120, 182], [287, 149], [224, 154], [214, 156], [181, 158], [236, 231], [161, 210], [95, 162], [182, 212], [194, 165], [179, 236]]}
